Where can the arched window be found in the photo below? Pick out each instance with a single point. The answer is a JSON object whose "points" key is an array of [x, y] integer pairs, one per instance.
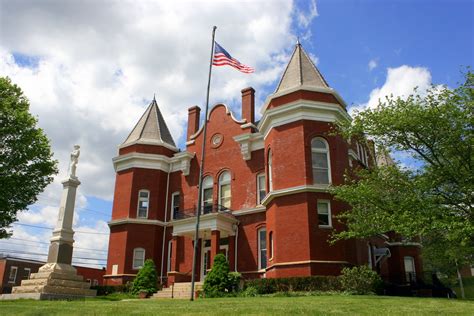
{"points": [[270, 171], [138, 258], [262, 248], [224, 190], [320, 161], [207, 185], [143, 203]]}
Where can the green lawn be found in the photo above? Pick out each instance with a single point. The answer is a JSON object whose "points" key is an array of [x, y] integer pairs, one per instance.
{"points": [[313, 305]]}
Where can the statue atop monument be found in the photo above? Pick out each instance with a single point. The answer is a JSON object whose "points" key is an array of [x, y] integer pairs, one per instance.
{"points": [[74, 161]]}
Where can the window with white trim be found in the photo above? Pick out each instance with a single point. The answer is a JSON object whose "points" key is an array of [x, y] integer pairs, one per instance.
{"points": [[261, 191], [12, 275], [207, 184], [270, 241], [114, 269], [262, 248], [143, 203], [410, 272], [324, 213], [320, 161], [138, 258], [175, 201], [224, 190], [95, 282], [26, 273], [170, 253], [270, 171]]}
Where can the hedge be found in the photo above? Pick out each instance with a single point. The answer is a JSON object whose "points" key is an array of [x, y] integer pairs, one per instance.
{"points": [[109, 289], [310, 283]]}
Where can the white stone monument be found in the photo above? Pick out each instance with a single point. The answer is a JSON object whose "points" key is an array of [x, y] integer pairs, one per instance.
{"points": [[58, 279]]}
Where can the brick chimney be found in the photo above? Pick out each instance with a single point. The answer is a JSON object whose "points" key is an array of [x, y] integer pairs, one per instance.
{"points": [[193, 120], [248, 104]]}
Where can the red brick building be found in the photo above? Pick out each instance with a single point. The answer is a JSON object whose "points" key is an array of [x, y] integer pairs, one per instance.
{"points": [[266, 204]]}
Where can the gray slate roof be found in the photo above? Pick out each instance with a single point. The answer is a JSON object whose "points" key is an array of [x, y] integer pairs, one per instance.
{"points": [[151, 128], [301, 71]]}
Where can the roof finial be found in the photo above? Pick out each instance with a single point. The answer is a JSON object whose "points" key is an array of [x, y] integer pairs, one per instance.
{"points": [[297, 40], [154, 99]]}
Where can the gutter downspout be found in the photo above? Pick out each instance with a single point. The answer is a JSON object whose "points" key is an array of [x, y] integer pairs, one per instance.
{"points": [[164, 227], [235, 246]]}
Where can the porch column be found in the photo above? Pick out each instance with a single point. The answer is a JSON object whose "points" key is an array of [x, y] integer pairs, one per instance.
{"points": [[215, 237], [232, 253]]}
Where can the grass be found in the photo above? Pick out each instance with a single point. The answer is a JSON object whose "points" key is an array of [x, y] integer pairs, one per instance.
{"points": [[312, 305], [468, 288]]}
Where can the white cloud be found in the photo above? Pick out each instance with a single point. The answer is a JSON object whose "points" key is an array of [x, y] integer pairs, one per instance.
{"points": [[306, 16], [372, 64], [400, 82], [101, 61]]}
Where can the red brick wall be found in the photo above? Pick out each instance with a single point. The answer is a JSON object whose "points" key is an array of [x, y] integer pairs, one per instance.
{"points": [[91, 274]]}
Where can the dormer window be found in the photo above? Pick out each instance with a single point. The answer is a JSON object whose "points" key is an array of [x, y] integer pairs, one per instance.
{"points": [[320, 161], [143, 203]]}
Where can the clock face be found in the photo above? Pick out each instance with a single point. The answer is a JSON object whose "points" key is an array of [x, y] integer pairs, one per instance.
{"points": [[216, 140]]}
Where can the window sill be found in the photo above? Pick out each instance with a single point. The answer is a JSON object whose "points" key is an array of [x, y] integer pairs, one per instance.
{"points": [[325, 226]]}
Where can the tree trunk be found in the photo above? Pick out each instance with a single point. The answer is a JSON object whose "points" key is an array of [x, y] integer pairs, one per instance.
{"points": [[461, 286]]}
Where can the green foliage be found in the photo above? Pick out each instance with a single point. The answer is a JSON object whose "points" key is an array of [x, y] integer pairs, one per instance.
{"points": [[436, 200], [360, 280], [147, 279], [26, 164], [250, 291], [307, 284], [103, 290], [218, 282]]}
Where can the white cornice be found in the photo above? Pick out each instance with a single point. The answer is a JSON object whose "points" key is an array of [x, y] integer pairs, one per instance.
{"points": [[248, 143], [152, 142], [213, 221], [402, 244], [181, 161], [294, 190], [303, 87], [141, 221], [249, 211], [301, 110]]}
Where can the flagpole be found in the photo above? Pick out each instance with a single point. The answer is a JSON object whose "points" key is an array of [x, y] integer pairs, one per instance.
{"points": [[201, 170]]}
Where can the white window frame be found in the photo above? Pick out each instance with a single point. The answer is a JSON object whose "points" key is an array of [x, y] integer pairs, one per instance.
{"points": [[259, 198], [270, 171], [114, 269], [329, 213], [328, 157], [12, 268], [173, 197], [29, 273], [143, 199], [259, 248], [223, 183], [95, 282], [407, 277], [207, 187], [137, 267], [170, 252], [271, 252]]}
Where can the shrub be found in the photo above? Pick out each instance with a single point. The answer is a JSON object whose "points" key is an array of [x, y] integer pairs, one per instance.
{"points": [[234, 281], [250, 291], [219, 281], [360, 280], [310, 283], [146, 279], [109, 289]]}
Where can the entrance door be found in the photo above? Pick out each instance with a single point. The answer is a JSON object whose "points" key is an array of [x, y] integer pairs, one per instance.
{"points": [[206, 257]]}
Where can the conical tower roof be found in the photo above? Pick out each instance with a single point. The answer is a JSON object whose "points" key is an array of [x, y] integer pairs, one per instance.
{"points": [[151, 129], [301, 71]]}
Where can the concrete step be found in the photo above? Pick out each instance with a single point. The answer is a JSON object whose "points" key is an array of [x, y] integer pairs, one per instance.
{"points": [[178, 290]]}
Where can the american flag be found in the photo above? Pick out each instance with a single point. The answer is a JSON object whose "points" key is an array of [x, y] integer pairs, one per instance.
{"points": [[222, 58]]}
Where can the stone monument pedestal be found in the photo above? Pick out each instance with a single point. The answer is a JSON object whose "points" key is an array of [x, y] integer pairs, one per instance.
{"points": [[52, 281], [58, 279]]}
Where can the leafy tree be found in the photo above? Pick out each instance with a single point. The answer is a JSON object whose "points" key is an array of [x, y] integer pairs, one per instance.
{"points": [[26, 164], [217, 281], [146, 279], [436, 200]]}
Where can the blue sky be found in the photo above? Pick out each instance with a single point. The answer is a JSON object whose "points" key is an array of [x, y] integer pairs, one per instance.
{"points": [[89, 81]]}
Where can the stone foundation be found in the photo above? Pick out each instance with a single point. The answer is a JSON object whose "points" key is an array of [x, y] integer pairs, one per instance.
{"points": [[53, 281]]}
